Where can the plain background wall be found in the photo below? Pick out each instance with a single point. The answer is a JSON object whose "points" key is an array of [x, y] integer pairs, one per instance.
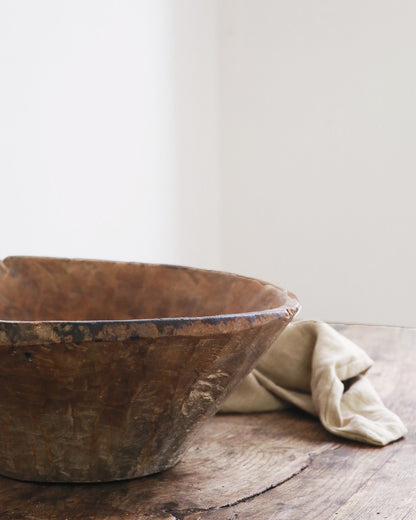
{"points": [[270, 138], [108, 130], [318, 152]]}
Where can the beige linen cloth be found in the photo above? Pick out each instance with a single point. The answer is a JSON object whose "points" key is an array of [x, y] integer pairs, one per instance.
{"points": [[314, 367]]}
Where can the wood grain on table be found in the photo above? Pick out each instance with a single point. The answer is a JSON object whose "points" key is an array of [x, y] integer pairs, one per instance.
{"points": [[280, 465]]}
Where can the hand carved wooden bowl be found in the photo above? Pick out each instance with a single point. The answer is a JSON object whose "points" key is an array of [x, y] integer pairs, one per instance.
{"points": [[108, 368]]}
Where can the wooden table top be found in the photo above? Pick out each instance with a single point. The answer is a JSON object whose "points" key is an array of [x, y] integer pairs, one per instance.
{"points": [[280, 465]]}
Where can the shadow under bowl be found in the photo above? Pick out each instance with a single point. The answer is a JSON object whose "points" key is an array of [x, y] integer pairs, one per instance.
{"points": [[107, 369]]}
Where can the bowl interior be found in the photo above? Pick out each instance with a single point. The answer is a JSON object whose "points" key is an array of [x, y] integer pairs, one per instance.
{"points": [[49, 289]]}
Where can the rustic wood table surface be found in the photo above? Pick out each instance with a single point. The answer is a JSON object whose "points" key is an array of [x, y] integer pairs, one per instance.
{"points": [[281, 465]]}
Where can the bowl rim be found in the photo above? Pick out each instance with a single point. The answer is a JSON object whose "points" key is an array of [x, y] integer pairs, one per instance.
{"points": [[32, 332]]}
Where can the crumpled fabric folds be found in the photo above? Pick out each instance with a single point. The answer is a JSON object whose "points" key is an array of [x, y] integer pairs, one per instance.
{"points": [[315, 368]]}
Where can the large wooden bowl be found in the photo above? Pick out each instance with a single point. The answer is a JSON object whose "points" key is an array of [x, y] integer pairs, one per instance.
{"points": [[108, 368]]}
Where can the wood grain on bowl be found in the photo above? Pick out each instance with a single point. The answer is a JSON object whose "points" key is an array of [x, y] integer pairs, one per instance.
{"points": [[107, 369]]}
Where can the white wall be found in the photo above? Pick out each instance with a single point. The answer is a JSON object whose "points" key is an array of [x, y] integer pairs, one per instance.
{"points": [[197, 170], [270, 138], [318, 155], [108, 132]]}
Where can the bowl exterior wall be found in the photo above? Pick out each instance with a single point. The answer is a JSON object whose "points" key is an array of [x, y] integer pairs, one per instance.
{"points": [[95, 411]]}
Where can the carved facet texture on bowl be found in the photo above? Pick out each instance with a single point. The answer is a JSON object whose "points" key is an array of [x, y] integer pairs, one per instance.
{"points": [[108, 368]]}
